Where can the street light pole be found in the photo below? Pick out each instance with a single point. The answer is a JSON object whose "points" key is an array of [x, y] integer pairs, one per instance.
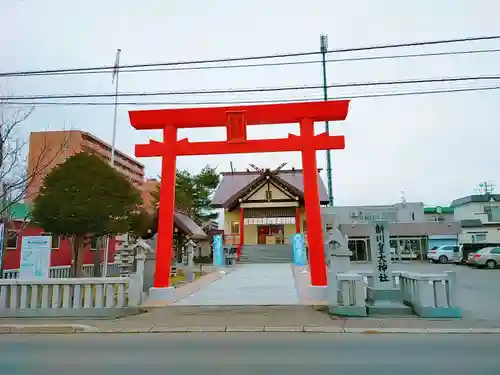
{"points": [[324, 49]]}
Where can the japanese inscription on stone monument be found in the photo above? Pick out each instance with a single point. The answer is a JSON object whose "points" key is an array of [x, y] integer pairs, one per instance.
{"points": [[381, 255], [382, 265]]}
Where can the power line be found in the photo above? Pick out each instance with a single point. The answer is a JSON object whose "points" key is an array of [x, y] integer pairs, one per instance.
{"points": [[284, 63], [263, 101], [251, 90], [109, 68]]}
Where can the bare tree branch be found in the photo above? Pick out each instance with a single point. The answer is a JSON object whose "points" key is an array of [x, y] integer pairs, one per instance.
{"points": [[15, 177]]}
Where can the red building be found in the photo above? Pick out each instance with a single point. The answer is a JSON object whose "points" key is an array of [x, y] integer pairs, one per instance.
{"points": [[61, 248]]}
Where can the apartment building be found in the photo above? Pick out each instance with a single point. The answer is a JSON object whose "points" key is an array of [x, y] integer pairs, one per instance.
{"points": [[151, 185], [50, 148]]}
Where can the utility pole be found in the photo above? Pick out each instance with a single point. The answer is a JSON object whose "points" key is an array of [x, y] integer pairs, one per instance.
{"points": [[324, 49]]}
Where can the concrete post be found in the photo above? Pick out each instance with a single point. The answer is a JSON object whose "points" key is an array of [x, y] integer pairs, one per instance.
{"points": [[189, 270]]}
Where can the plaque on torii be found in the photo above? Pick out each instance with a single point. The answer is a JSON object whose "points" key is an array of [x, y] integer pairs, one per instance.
{"points": [[236, 119]]}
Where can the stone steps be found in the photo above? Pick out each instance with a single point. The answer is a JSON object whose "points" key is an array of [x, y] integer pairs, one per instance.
{"points": [[266, 254]]}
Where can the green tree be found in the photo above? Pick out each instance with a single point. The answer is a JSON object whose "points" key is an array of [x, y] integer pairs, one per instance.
{"points": [[193, 194], [85, 196]]}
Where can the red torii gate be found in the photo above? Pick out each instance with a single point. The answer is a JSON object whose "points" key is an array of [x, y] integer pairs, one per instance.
{"points": [[236, 119]]}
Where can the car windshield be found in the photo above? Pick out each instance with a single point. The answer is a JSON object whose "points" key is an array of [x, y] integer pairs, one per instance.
{"points": [[483, 251]]}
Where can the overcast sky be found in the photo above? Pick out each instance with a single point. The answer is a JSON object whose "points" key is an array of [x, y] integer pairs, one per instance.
{"points": [[435, 148]]}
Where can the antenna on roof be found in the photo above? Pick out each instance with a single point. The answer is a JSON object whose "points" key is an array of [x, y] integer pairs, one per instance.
{"points": [[403, 197], [231, 166], [485, 188]]}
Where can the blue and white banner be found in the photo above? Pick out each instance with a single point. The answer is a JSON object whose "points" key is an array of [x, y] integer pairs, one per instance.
{"points": [[299, 250], [218, 251], [35, 257]]}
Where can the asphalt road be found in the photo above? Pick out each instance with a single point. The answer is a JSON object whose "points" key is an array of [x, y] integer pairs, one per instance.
{"points": [[249, 353], [477, 292]]}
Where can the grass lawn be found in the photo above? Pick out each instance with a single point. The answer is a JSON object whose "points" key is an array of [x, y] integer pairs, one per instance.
{"points": [[180, 279]]}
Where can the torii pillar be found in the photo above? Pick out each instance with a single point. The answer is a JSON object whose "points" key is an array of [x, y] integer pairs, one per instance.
{"points": [[236, 119]]}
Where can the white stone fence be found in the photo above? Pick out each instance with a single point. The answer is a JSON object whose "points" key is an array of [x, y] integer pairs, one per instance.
{"points": [[80, 297], [431, 295], [348, 298], [58, 272]]}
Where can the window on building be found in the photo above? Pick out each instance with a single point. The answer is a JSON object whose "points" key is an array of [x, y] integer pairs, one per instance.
{"points": [[93, 243], [56, 240], [480, 237], [235, 227], [438, 219], [12, 237]]}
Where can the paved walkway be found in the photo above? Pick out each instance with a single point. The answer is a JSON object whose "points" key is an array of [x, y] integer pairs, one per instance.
{"points": [[248, 284]]}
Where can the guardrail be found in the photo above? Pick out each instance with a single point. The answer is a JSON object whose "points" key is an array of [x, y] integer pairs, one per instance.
{"points": [[81, 297], [431, 295], [349, 297], [59, 272]]}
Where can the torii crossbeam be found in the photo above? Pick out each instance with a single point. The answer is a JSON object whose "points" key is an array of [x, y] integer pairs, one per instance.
{"points": [[236, 119]]}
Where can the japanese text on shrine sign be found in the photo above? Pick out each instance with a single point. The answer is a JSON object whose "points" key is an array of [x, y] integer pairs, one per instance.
{"points": [[382, 261]]}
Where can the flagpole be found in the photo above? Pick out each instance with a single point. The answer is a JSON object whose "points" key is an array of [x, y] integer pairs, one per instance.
{"points": [[115, 75]]}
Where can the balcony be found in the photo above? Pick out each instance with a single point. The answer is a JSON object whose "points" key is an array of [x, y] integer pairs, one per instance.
{"points": [[124, 162]]}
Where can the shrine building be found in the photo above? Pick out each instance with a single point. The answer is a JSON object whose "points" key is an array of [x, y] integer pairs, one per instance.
{"points": [[263, 206]]}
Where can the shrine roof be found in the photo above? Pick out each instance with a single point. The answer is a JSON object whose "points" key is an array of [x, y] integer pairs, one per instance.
{"points": [[186, 224], [235, 184]]}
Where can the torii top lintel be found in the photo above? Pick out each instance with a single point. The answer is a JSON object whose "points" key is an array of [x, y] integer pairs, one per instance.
{"points": [[265, 114]]}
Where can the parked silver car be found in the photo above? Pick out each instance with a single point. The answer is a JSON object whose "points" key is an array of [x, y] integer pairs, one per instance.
{"points": [[488, 257], [444, 254]]}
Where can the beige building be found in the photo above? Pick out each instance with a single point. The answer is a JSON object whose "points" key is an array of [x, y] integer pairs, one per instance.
{"points": [[50, 148], [263, 207]]}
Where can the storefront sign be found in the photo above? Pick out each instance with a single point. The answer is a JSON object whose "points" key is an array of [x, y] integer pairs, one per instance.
{"points": [[269, 220], [35, 257], [299, 250]]}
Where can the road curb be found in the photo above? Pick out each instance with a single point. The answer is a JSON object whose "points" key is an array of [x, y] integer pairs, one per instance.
{"points": [[80, 328], [46, 328]]}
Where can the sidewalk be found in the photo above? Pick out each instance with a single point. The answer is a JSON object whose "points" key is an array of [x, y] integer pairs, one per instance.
{"points": [[246, 319]]}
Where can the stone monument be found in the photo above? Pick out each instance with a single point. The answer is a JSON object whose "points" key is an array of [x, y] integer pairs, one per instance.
{"points": [[189, 274], [337, 252], [383, 296]]}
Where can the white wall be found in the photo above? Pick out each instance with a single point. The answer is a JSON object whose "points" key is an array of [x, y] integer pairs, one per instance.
{"points": [[492, 234], [473, 210], [403, 213]]}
